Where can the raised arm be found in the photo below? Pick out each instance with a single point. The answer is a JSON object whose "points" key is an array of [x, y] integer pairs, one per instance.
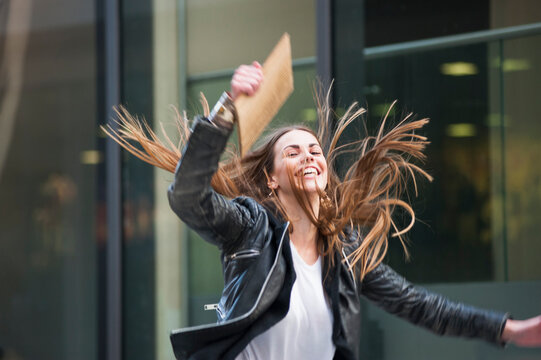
{"points": [[393, 293], [217, 219]]}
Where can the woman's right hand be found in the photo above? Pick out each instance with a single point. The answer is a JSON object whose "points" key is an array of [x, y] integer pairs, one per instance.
{"points": [[246, 80]]}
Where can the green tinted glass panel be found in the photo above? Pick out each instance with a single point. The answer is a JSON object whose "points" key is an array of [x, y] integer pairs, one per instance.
{"points": [[521, 76], [52, 232], [479, 220], [139, 243], [453, 238]]}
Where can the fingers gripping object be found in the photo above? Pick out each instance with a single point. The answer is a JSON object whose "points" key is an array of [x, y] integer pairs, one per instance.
{"points": [[256, 112], [246, 79]]}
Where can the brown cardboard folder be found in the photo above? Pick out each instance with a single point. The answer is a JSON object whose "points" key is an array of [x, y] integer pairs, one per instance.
{"points": [[256, 112]]}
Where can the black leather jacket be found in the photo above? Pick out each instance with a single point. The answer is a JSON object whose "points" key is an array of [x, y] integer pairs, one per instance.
{"points": [[259, 274]]}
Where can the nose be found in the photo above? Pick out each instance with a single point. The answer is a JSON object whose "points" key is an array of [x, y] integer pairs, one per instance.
{"points": [[308, 157]]}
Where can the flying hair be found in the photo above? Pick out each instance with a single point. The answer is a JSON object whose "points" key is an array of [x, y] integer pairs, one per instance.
{"points": [[362, 201]]}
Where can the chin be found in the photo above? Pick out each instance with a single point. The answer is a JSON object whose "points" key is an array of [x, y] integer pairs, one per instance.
{"points": [[313, 187]]}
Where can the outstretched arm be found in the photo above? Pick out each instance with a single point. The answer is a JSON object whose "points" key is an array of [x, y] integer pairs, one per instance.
{"points": [[396, 295]]}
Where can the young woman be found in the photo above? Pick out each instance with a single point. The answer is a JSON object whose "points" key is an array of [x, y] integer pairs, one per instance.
{"points": [[300, 244]]}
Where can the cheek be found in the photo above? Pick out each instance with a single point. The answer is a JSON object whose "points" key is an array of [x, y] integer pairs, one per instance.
{"points": [[287, 171], [323, 166], [286, 164], [324, 182], [326, 177], [279, 173]]}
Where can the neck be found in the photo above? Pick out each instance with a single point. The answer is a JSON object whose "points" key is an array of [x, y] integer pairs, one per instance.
{"points": [[304, 235]]}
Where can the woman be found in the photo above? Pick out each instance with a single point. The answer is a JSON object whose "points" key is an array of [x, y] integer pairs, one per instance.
{"points": [[299, 245]]}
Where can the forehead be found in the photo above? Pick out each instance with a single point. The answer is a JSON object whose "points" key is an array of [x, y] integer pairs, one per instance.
{"points": [[295, 137]]}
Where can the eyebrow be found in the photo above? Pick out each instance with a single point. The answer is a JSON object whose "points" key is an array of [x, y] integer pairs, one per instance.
{"points": [[295, 146]]}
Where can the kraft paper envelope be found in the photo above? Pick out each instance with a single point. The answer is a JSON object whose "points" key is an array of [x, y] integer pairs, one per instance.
{"points": [[256, 112]]}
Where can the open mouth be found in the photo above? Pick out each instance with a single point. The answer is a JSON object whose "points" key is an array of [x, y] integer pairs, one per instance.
{"points": [[308, 171]]}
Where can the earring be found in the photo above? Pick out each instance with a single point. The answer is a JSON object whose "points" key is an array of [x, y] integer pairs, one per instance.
{"points": [[271, 190]]}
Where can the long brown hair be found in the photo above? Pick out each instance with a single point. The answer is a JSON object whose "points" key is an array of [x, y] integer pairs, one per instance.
{"points": [[361, 201]]}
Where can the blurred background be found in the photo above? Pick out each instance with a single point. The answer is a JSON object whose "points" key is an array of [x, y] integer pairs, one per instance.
{"points": [[94, 265]]}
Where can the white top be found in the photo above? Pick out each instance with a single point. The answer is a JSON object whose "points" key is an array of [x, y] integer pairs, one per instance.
{"points": [[306, 331]]}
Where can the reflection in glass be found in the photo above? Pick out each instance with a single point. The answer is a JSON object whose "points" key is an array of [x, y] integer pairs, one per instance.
{"points": [[452, 240], [48, 198], [522, 146], [478, 222]]}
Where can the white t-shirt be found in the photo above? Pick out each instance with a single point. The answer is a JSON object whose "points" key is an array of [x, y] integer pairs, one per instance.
{"points": [[306, 331]]}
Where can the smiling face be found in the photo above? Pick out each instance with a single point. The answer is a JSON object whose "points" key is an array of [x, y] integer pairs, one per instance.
{"points": [[299, 152]]}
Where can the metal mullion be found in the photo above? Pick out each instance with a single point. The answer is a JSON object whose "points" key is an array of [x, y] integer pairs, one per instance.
{"points": [[113, 184], [503, 161], [211, 75], [324, 40], [183, 94], [377, 52]]}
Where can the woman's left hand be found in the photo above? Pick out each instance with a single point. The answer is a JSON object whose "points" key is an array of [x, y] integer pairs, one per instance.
{"points": [[523, 332]]}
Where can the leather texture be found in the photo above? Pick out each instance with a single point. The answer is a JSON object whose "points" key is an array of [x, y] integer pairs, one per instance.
{"points": [[258, 270]]}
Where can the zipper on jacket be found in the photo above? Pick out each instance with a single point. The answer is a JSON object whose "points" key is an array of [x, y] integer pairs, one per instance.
{"points": [[243, 254], [210, 306], [216, 307], [251, 311]]}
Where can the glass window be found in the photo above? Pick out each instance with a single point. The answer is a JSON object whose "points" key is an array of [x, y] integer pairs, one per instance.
{"points": [[475, 221], [224, 34], [476, 239], [521, 77], [138, 183], [453, 235], [51, 212], [152, 263], [395, 21]]}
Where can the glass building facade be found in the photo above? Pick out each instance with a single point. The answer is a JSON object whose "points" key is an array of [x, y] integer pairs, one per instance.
{"points": [[76, 288]]}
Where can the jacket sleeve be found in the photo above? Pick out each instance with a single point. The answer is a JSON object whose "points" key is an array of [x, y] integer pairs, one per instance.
{"points": [[217, 219], [390, 291]]}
